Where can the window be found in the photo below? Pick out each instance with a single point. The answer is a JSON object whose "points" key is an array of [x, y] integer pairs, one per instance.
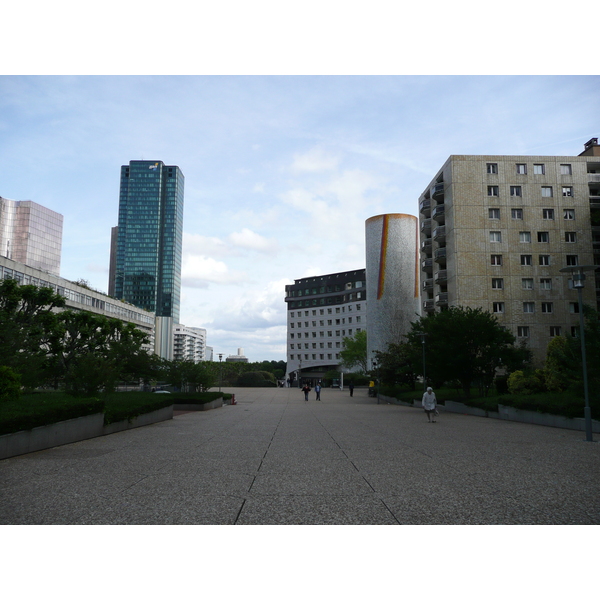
{"points": [[572, 260], [517, 213], [569, 214], [521, 169], [539, 169], [497, 260], [492, 168], [544, 260], [497, 284], [495, 236], [493, 190], [574, 308], [567, 191], [528, 307], [515, 190], [543, 237], [498, 307], [546, 307], [570, 237], [548, 214], [525, 237], [565, 170], [545, 284], [527, 283], [522, 331], [526, 260], [554, 330], [547, 191], [494, 213]]}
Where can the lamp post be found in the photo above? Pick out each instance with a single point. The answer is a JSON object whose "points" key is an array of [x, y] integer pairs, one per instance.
{"points": [[220, 371], [422, 336], [300, 373], [578, 273]]}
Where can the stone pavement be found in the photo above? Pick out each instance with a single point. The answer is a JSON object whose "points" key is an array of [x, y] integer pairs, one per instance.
{"points": [[276, 459]]}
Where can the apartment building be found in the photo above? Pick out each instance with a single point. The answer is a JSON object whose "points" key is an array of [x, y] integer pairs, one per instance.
{"points": [[321, 311], [189, 343], [495, 231]]}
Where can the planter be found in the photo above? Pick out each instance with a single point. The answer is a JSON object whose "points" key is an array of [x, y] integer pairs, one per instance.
{"points": [[49, 436], [459, 407], [162, 414], [510, 413], [206, 406]]}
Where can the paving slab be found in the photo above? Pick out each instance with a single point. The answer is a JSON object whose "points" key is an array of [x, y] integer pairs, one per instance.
{"points": [[275, 459]]}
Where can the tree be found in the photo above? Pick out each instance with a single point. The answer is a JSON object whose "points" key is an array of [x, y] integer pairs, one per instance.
{"points": [[465, 344], [354, 353], [189, 376], [399, 364], [27, 320]]}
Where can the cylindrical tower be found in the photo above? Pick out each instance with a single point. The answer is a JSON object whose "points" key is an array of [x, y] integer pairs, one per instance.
{"points": [[392, 279]]}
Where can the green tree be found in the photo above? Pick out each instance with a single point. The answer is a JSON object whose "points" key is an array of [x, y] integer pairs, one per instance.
{"points": [[10, 384], [465, 344], [399, 364], [189, 376], [354, 353], [27, 320]]}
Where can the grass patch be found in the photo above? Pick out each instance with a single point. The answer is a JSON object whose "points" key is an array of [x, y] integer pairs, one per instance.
{"points": [[36, 410]]}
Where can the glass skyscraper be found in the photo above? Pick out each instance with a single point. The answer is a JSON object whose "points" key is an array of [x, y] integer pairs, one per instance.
{"points": [[149, 239]]}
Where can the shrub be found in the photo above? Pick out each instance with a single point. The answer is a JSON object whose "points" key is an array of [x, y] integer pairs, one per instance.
{"points": [[523, 383], [257, 379], [501, 383], [10, 385]]}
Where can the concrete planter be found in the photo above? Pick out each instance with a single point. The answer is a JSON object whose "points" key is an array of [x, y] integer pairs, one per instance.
{"points": [[207, 406], [162, 414], [49, 436], [459, 407], [510, 413]]}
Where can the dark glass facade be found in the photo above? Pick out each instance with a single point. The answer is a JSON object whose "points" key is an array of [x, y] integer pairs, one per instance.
{"points": [[149, 239]]}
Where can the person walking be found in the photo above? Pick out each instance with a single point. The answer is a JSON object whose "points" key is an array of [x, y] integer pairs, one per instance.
{"points": [[306, 389], [429, 403], [351, 388], [318, 391]]}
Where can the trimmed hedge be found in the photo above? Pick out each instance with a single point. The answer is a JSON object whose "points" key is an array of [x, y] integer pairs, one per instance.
{"points": [[36, 410], [121, 406]]}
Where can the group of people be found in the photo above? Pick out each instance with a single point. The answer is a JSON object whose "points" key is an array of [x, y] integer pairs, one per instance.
{"points": [[306, 390], [429, 400]]}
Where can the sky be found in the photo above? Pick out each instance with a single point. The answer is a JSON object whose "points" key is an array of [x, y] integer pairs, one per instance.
{"points": [[281, 172]]}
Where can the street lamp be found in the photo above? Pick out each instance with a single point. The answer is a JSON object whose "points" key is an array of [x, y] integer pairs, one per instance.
{"points": [[422, 336], [579, 283], [300, 372], [220, 371]]}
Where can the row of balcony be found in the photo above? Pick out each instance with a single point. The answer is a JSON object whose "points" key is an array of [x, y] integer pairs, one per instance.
{"points": [[440, 300], [440, 277]]}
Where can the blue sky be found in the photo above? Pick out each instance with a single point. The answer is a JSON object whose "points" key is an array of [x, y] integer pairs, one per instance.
{"points": [[281, 172]]}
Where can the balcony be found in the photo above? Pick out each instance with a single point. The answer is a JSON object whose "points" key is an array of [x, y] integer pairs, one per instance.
{"points": [[426, 245], [428, 305], [439, 233], [437, 191], [441, 276], [425, 207], [427, 264], [425, 225], [428, 284], [440, 255], [441, 299], [595, 201], [439, 213]]}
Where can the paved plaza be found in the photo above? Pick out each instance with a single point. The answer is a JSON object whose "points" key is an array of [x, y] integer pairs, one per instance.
{"points": [[275, 459]]}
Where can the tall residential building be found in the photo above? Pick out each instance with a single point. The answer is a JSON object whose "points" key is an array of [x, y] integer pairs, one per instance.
{"points": [[31, 234], [321, 312], [189, 343], [496, 231], [149, 240]]}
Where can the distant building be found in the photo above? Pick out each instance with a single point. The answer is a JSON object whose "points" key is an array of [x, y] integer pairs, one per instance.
{"points": [[147, 267], [321, 312], [239, 357], [496, 231], [31, 234], [81, 298], [189, 343]]}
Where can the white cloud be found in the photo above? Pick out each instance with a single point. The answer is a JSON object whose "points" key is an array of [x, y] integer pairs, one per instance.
{"points": [[314, 161], [249, 240], [197, 271]]}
